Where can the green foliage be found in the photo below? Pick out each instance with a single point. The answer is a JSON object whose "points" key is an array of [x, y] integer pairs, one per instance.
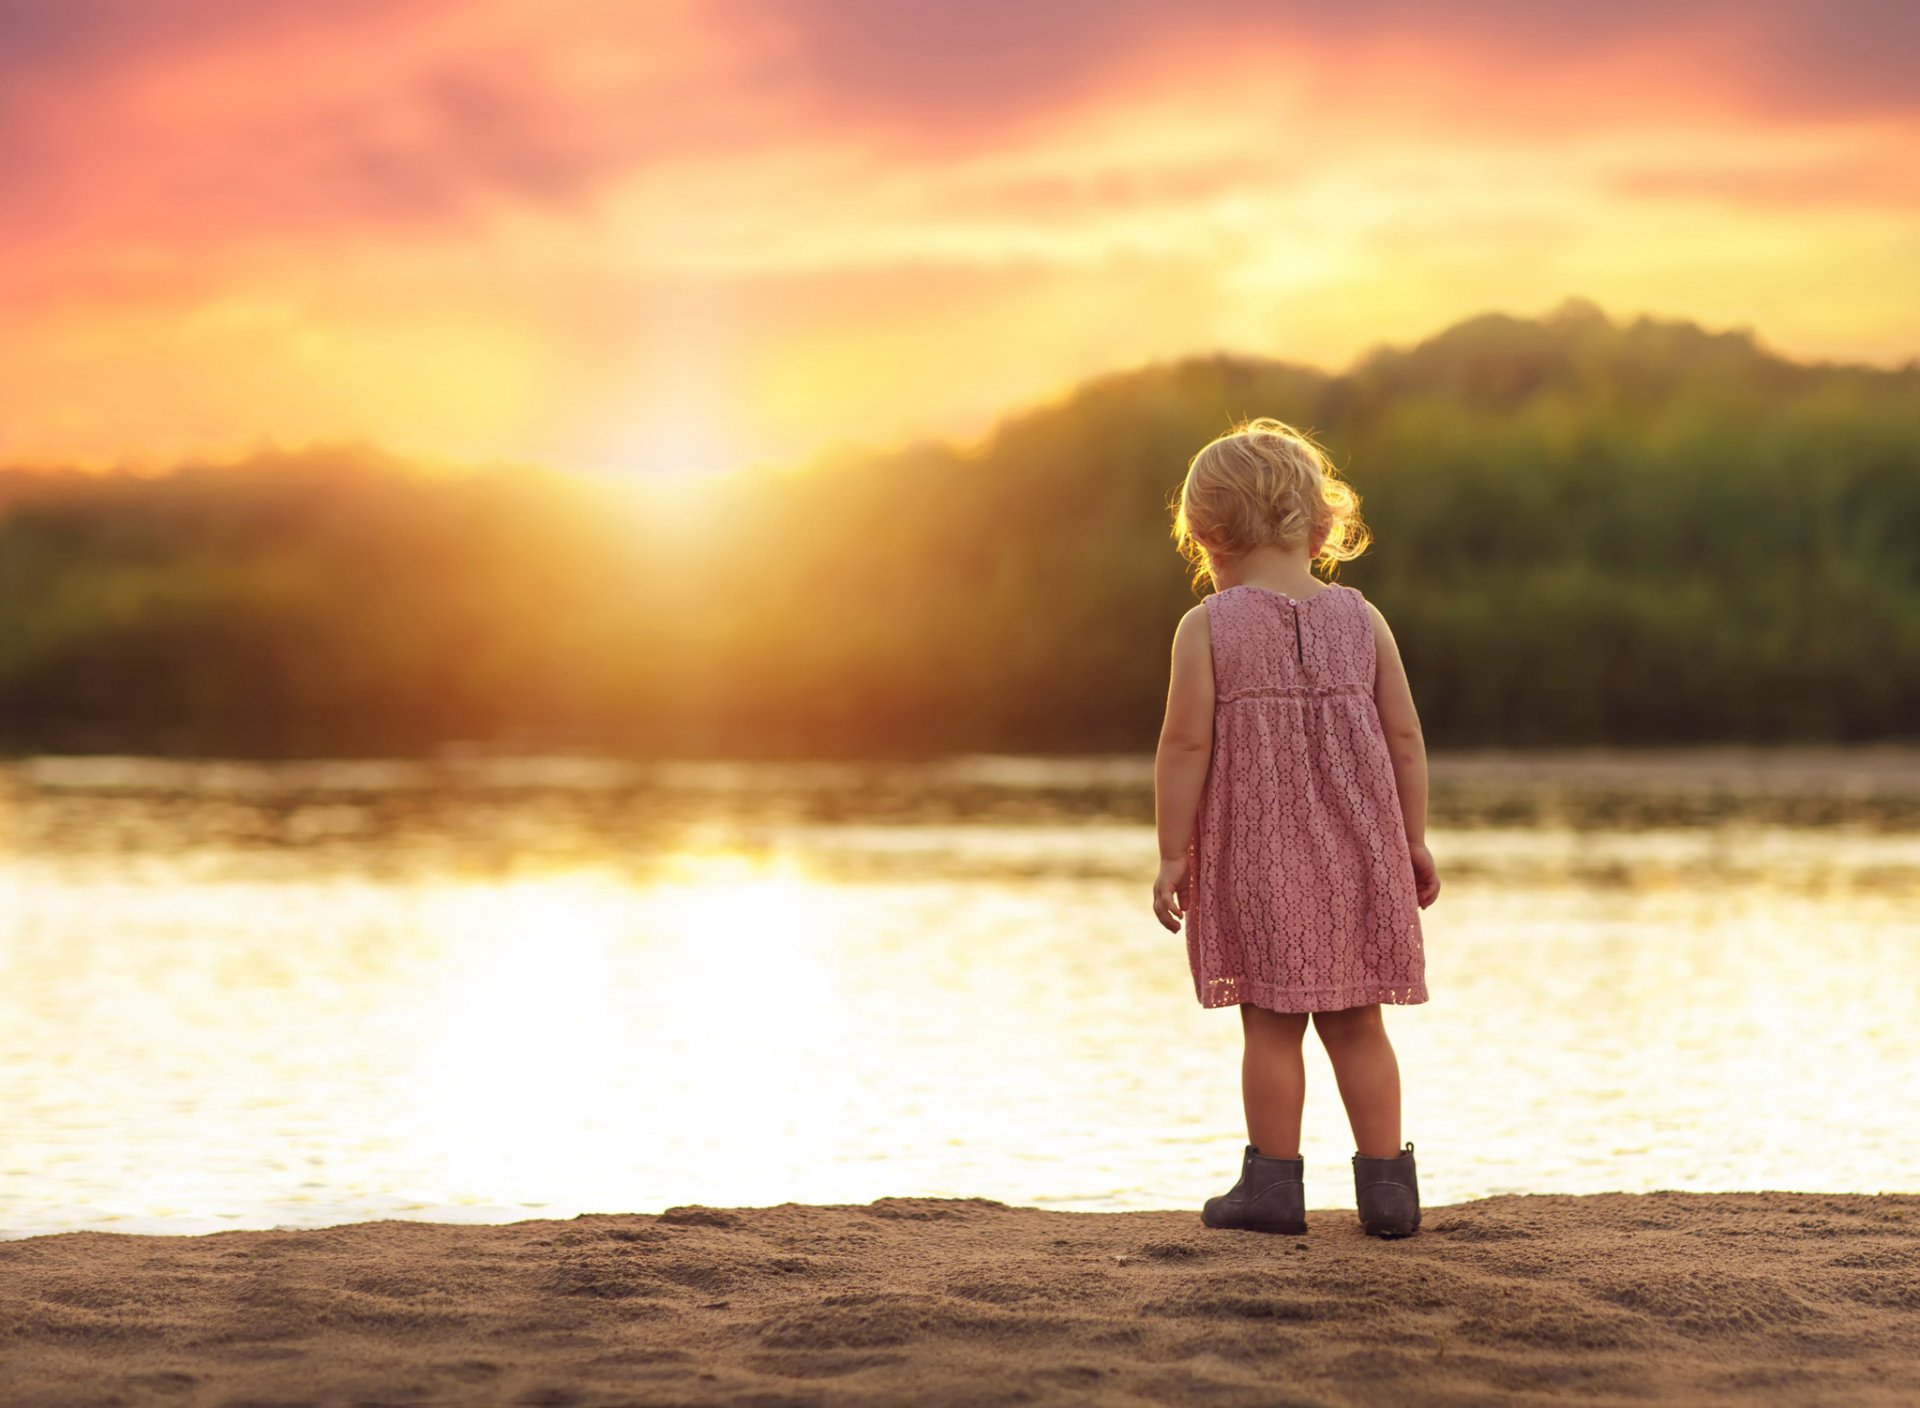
{"points": [[1584, 533]]}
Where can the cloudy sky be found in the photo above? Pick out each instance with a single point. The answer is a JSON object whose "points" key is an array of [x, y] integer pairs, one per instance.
{"points": [[681, 234]]}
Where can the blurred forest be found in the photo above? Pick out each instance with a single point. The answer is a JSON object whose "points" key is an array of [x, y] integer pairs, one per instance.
{"points": [[1586, 532]]}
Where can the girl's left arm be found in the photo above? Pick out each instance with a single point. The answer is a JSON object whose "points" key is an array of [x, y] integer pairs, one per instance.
{"points": [[1180, 764]]}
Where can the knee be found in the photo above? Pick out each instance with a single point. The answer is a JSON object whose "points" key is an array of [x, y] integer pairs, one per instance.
{"points": [[1349, 1026]]}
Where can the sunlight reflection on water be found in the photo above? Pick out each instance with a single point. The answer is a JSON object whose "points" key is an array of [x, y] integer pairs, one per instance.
{"points": [[245, 995]]}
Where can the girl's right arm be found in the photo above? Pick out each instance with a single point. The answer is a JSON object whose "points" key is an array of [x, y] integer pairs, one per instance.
{"points": [[1393, 696], [1181, 762]]}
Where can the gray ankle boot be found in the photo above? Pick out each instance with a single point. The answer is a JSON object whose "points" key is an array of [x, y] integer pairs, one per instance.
{"points": [[1388, 1193], [1268, 1198]]}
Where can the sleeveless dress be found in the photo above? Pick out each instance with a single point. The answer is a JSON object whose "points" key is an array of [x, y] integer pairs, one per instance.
{"points": [[1303, 893]]}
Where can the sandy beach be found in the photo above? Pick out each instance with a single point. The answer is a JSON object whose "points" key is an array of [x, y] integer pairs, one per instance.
{"points": [[1788, 1298]]}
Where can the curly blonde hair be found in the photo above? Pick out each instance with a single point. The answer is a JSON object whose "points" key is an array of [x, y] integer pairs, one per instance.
{"points": [[1264, 482]]}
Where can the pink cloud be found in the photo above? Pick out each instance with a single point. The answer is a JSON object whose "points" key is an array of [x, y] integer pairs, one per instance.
{"points": [[930, 65], [242, 118], [213, 118]]}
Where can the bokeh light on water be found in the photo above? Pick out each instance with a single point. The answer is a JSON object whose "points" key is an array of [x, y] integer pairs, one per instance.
{"points": [[247, 995]]}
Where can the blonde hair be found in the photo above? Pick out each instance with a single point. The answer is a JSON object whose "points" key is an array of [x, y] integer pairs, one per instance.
{"points": [[1264, 483]]}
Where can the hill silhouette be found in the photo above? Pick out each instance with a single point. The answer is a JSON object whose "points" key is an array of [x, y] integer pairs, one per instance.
{"points": [[1586, 532]]}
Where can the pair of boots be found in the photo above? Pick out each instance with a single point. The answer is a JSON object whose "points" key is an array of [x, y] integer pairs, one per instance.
{"points": [[1270, 1196]]}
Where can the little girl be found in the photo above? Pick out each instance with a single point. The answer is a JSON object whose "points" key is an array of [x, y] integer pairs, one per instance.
{"points": [[1290, 794]]}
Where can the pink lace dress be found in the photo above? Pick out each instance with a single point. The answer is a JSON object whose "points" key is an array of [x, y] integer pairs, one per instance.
{"points": [[1303, 892]]}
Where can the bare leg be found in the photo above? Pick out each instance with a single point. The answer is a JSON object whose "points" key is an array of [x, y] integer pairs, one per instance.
{"points": [[1273, 1079], [1368, 1075]]}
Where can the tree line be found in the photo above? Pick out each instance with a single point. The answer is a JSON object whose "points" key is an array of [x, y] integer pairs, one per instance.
{"points": [[1586, 532]]}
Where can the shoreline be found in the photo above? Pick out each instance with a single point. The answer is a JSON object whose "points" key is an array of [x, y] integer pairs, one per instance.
{"points": [[1760, 1297]]}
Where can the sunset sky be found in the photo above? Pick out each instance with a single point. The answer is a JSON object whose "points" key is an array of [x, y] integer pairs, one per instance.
{"points": [[684, 234]]}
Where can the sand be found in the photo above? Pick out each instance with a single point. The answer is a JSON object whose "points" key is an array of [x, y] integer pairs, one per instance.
{"points": [[1666, 1297]]}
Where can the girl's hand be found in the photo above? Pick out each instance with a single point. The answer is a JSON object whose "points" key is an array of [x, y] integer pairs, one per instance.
{"points": [[1171, 892], [1426, 878]]}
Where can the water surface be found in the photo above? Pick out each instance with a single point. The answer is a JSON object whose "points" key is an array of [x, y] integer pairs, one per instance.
{"points": [[241, 995]]}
